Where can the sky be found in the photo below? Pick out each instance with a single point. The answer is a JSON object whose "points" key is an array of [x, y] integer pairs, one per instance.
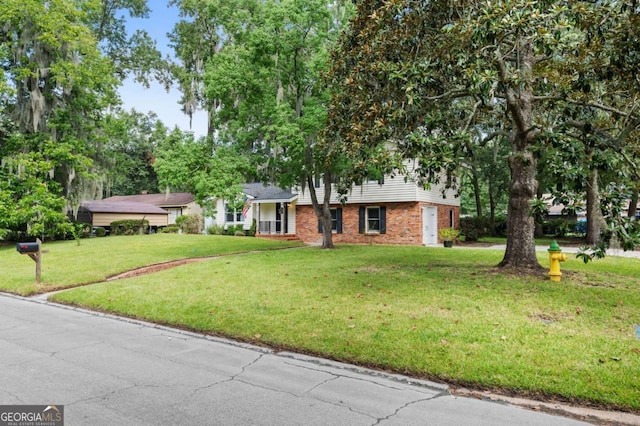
{"points": [[156, 98]]}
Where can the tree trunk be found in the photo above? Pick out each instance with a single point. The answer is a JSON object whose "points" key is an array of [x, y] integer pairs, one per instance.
{"points": [[323, 212], [492, 208], [539, 232], [521, 250], [633, 203], [595, 219], [476, 191]]}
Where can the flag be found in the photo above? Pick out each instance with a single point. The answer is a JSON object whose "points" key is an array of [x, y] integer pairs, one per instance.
{"points": [[246, 206]]}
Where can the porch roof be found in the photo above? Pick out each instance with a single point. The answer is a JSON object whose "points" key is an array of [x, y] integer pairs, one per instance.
{"points": [[261, 193]]}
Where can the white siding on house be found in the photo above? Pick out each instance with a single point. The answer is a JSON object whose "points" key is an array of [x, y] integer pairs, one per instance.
{"points": [[391, 191], [220, 217]]}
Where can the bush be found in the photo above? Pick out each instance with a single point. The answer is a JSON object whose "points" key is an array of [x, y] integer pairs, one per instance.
{"points": [[129, 227], [171, 229], [500, 226], [215, 230], [190, 223], [252, 230], [231, 229], [558, 228], [474, 227], [240, 234], [100, 231]]}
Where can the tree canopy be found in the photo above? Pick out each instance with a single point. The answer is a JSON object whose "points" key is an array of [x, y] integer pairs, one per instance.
{"points": [[438, 77], [61, 63], [265, 79]]}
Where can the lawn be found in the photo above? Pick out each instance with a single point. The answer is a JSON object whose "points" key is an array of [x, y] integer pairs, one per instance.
{"points": [[67, 263], [434, 313]]}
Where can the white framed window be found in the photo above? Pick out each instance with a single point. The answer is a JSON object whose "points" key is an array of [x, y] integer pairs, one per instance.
{"points": [[233, 215], [372, 220], [336, 221]]}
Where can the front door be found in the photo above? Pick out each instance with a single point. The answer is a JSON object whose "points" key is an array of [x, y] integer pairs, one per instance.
{"points": [[278, 218], [429, 225]]}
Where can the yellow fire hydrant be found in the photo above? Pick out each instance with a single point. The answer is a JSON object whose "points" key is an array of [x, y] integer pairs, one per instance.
{"points": [[555, 257]]}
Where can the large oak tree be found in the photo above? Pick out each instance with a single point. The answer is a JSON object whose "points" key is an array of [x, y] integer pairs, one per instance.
{"points": [[428, 75]]}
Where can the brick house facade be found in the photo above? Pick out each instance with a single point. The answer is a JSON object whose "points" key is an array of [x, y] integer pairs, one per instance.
{"points": [[403, 223]]}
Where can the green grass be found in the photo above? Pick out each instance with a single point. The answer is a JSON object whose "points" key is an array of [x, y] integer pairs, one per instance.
{"points": [[67, 263], [434, 313]]}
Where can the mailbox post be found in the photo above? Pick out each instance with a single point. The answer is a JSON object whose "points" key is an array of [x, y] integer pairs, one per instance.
{"points": [[33, 250]]}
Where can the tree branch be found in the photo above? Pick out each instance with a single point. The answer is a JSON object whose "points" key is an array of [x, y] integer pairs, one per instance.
{"points": [[604, 108]]}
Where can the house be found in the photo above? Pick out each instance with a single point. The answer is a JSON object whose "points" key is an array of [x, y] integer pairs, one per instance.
{"points": [[389, 211], [175, 203], [102, 213], [272, 208]]}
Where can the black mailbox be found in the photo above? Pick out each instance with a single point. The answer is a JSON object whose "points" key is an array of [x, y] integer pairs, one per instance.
{"points": [[25, 248]]}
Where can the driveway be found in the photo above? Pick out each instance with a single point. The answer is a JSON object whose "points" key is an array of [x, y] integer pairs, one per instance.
{"points": [[107, 370]]}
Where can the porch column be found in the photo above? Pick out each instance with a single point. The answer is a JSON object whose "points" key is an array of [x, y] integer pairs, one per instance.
{"points": [[285, 220]]}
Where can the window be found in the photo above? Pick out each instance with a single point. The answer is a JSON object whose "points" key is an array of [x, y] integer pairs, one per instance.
{"points": [[336, 221], [319, 179], [373, 220], [452, 216], [379, 180], [233, 215]]}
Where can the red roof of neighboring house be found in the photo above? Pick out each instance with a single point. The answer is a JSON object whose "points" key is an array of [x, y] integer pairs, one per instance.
{"points": [[172, 199], [102, 206]]}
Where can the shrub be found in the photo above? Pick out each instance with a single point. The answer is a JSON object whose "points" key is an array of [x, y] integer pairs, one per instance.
{"points": [[171, 229], [129, 227], [474, 227], [252, 230], [190, 223], [100, 231], [215, 230], [559, 228], [231, 229], [500, 226], [239, 233]]}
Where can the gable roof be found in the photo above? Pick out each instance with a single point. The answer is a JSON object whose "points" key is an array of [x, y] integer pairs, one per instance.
{"points": [[267, 193], [171, 199], [102, 206]]}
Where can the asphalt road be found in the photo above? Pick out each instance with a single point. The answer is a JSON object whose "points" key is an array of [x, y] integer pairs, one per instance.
{"points": [[107, 370]]}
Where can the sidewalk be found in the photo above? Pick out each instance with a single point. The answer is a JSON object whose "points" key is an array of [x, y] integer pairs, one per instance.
{"points": [[565, 249]]}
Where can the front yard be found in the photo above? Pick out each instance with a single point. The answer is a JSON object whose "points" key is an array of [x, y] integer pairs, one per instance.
{"points": [[68, 264], [441, 314]]}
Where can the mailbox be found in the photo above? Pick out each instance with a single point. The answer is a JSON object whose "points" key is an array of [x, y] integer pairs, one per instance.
{"points": [[25, 248]]}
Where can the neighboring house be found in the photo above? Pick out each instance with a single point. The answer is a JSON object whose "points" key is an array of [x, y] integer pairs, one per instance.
{"points": [[176, 203], [389, 211], [272, 208], [557, 210], [101, 213]]}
